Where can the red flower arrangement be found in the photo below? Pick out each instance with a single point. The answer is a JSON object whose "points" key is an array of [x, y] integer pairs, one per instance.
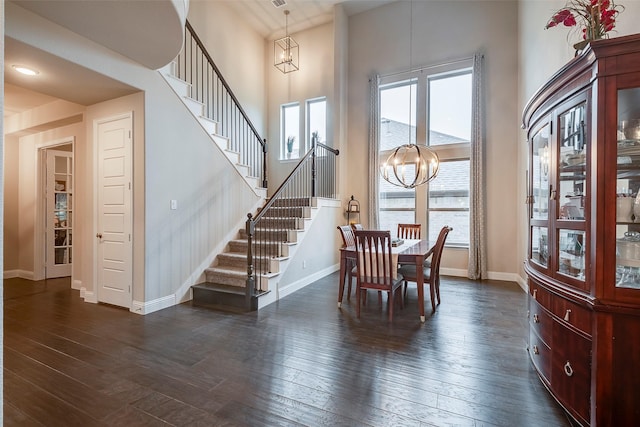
{"points": [[597, 18]]}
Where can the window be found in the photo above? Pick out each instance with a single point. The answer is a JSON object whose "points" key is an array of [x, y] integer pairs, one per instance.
{"points": [[397, 204], [433, 105], [291, 145], [317, 119], [449, 202], [290, 134]]}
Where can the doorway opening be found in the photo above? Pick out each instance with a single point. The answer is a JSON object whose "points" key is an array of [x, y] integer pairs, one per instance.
{"points": [[55, 211]]}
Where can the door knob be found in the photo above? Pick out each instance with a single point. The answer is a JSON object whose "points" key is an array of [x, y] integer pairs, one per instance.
{"points": [[99, 235]]}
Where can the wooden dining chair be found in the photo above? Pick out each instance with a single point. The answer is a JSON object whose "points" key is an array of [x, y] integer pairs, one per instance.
{"points": [[348, 239], [409, 231], [376, 268], [356, 226], [430, 273]]}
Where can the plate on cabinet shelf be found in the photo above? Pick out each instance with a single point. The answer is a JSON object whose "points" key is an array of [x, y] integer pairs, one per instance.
{"points": [[628, 142], [628, 262], [628, 146]]}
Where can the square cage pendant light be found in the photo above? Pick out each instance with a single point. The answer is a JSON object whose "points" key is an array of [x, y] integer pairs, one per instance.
{"points": [[285, 51]]}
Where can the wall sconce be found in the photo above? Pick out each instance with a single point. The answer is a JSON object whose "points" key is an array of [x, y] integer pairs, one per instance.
{"points": [[286, 51]]}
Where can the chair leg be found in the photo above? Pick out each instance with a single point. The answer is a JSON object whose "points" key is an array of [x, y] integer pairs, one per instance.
{"points": [[359, 292], [432, 291], [391, 303], [438, 289]]}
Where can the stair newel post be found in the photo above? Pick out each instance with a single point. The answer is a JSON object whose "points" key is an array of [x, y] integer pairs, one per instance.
{"points": [[264, 164], [251, 283], [314, 139]]}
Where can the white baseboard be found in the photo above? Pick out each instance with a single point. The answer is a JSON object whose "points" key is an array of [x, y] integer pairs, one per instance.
{"points": [[140, 307], [77, 284], [22, 274], [492, 275], [10, 274], [88, 296]]}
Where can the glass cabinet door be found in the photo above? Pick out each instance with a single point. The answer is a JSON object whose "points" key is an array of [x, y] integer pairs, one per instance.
{"points": [[540, 176], [628, 190], [572, 164], [570, 192], [571, 253], [541, 158], [540, 245]]}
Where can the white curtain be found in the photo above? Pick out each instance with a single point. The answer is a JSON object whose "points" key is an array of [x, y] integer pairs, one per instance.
{"points": [[374, 148], [477, 234]]}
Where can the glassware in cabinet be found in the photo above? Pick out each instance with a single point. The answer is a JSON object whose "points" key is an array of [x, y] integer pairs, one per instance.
{"points": [[628, 189]]}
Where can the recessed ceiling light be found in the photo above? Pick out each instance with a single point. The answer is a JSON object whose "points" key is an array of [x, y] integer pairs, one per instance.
{"points": [[26, 70]]}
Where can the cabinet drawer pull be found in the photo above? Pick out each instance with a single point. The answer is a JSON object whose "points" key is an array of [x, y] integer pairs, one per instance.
{"points": [[536, 318], [535, 291], [566, 315], [568, 369], [536, 351]]}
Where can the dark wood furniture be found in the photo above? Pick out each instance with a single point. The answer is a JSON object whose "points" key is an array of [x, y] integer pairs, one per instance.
{"points": [[582, 265], [431, 273], [409, 231], [411, 252], [357, 226], [348, 239], [377, 267]]}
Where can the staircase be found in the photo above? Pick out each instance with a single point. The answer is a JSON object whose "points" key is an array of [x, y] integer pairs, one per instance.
{"points": [[250, 265], [282, 228], [211, 127]]}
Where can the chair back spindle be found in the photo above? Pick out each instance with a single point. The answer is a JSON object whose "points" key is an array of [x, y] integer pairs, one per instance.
{"points": [[409, 231], [375, 266]]}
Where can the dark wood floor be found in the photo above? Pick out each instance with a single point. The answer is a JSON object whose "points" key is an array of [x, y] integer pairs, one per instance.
{"points": [[301, 361]]}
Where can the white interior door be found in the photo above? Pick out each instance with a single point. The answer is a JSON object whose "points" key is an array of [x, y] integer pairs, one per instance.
{"points": [[59, 213], [114, 225]]}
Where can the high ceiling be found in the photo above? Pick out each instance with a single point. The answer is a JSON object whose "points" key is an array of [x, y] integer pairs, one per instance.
{"points": [[269, 20], [23, 93]]}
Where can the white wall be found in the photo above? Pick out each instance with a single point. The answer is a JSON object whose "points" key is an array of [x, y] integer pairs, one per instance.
{"points": [[238, 51], [341, 96], [313, 80], [173, 159], [10, 215], [443, 31], [28, 198], [318, 250], [542, 53]]}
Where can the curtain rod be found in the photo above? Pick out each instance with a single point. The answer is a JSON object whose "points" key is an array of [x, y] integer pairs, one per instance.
{"points": [[416, 70]]}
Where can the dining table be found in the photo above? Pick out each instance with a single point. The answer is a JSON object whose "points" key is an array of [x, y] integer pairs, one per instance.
{"points": [[410, 251]]}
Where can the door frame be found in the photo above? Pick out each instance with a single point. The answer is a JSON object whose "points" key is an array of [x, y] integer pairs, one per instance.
{"points": [[94, 296], [39, 264]]}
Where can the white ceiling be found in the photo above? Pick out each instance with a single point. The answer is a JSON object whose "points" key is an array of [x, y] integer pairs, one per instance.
{"points": [[269, 20], [88, 87]]}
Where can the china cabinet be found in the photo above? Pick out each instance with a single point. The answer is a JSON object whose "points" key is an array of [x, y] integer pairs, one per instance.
{"points": [[583, 263]]}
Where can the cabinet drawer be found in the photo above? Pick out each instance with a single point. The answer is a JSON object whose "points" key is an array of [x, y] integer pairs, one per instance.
{"points": [[540, 355], [540, 321], [573, 314], [571, 371], [540, 294]]}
